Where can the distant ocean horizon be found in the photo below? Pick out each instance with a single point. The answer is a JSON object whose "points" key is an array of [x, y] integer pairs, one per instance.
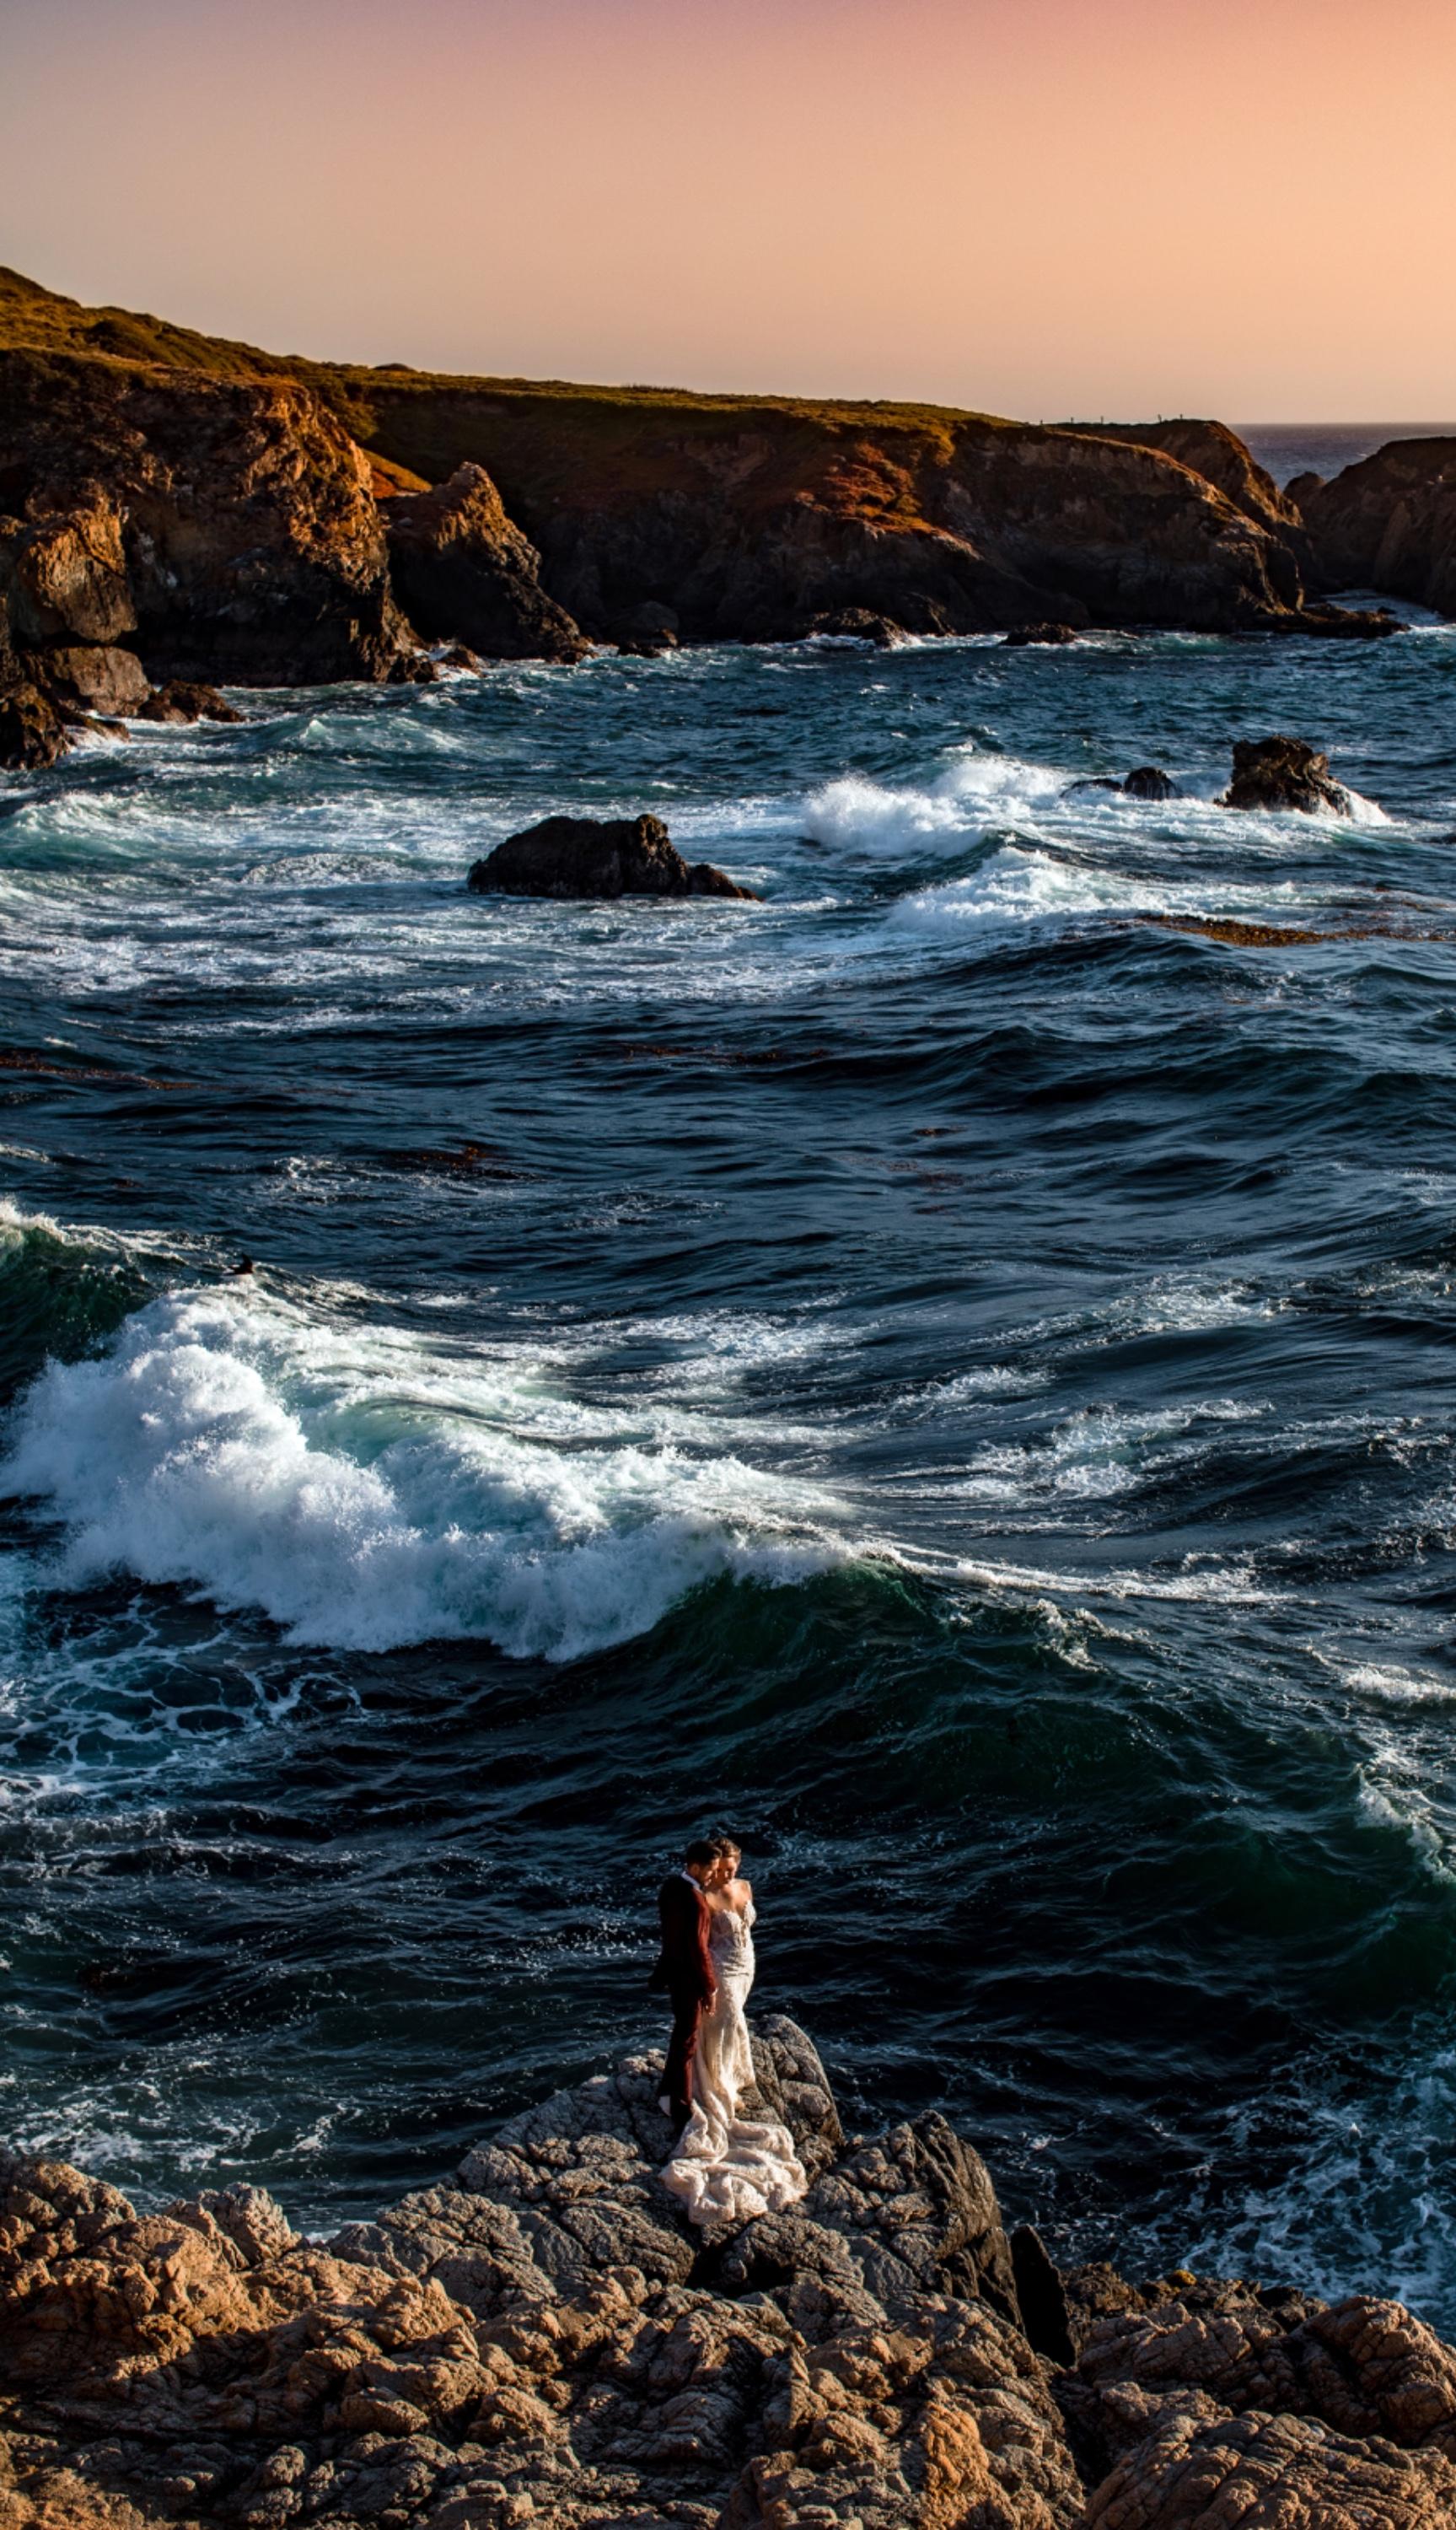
{"points": [[1290, 448]]}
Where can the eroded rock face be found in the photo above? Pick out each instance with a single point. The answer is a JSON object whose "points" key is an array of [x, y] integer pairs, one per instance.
{"points": [[241, 511], [1284, 773], [546, 2341], [64, 579], [463, 573], [583, 856], [1388, 522], [33, 730], [762, 522]]}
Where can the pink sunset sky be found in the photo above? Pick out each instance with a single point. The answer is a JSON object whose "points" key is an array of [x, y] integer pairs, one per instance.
{"points": [[1042, 208]]}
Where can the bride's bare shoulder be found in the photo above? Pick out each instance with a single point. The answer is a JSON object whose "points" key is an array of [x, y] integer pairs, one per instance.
{"points": [[742, 1894]]}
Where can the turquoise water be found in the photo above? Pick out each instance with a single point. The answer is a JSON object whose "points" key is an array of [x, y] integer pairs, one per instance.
{"points": [[939, 1372]]}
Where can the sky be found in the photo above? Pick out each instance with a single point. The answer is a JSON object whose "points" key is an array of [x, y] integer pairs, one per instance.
{"points": [[1090, 209]]}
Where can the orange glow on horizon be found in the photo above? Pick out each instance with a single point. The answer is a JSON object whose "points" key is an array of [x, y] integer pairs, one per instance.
{"points": [[1062, 207]]}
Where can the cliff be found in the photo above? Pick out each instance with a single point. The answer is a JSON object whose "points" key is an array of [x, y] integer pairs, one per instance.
{"points": [[1388, 524], [543, 2340], [651, 510]]}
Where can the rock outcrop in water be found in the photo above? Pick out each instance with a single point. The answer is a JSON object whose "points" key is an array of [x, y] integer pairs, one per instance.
{"points": [[544, 2341], [461, 571], [1284, 773], [583, 856], [1388, 524]]}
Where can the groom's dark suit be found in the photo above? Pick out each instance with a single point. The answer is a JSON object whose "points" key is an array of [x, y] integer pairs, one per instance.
{"points": [[685, 1973]]}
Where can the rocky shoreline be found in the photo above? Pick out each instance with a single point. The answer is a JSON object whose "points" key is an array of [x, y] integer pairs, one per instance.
{"points": [[544, 2340], [179, 513]]}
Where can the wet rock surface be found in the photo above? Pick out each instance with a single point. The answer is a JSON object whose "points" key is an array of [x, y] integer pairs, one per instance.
{"points": [[544, 2340], [584, 857], [1284, 773]]}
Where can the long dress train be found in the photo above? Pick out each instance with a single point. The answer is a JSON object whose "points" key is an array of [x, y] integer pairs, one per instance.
{"points": [[725, 2168]]}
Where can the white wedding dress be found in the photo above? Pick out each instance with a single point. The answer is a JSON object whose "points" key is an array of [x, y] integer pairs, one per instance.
{"points": [[726, 2168]]}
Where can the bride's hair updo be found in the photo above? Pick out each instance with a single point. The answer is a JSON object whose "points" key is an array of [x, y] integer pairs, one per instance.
{"points": [[725, 1847]]}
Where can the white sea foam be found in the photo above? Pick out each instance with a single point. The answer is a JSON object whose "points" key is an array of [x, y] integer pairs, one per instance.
{"points": [[856, 815], [364, 1489]]}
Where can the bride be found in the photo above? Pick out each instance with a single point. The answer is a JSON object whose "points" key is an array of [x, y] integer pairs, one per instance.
{"points": [[725, 2168]]}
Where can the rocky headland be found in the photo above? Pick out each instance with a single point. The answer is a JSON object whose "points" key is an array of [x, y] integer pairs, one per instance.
{"points": [[544, 2340], [1387, 522], [176, 510]]}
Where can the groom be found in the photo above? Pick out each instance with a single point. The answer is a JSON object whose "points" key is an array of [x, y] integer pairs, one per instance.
{"points": [[684, 1971]]}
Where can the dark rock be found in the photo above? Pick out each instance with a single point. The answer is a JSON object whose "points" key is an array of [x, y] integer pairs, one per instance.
{"points": [[1300, 488], [96, 678], [859, 623], [1039, 635], [456, 654], [578, 857], [1284, 773], [64, 579], [645, 631], [34, 731], [1149, 781], [252, 545], [463, 572], [1389, 523], [1040, 2297], [181, 702]]}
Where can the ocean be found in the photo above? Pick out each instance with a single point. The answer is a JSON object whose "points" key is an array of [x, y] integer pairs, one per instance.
{"points": [[1289, 447], [941, 1373]]}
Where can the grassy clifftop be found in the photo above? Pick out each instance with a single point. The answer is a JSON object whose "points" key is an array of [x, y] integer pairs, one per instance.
{"points": [[35, 319]]}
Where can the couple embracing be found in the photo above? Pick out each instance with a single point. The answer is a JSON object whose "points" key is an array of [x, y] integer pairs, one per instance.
{"points": [[722, 2166]]}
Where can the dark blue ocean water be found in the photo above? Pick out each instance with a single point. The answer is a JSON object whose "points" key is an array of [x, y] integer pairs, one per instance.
{"points": [[939, 1372], [1290, 448]]}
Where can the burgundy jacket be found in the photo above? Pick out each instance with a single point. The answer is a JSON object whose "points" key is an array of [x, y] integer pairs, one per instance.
{"points": [[683, 1965]]}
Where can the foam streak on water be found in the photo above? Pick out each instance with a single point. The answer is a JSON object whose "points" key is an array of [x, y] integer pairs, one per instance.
{"points": [[945, 1370]]}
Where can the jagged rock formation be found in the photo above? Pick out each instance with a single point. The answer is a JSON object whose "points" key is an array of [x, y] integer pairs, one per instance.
{"points": [[225, 528], [1213, 450], [545, 2341], [1388, 524], [1284, 773], [461, 571], [209, 506], [583, 857], [759, 519]]}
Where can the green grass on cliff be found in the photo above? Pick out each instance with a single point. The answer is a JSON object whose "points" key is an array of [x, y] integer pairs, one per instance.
{"points": [[35, 319]]}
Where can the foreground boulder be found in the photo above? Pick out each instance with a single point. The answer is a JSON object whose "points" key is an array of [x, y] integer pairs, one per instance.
{"points": [[463, 572], [581, 856], [545, 2341], [1284, 773]]}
